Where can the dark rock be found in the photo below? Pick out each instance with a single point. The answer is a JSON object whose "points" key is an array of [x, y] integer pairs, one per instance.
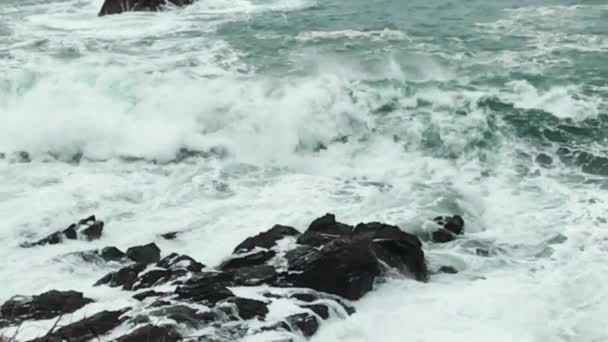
{"points": [[306, 323], [147, 294], [305, 297], [482, 252], [454, 224], [323, 230], [125, 277], [319, 309], [85, 329], [176, 262], [544, 160], [442, 236], [44, 306], [89, 229], [279, 326], [252, 259], [169, 236], [152, 333], [448, 269], [120, 6], [254, 275], [299, 254], [112, 254], [249, 308], [210, 287], [152, 278], [181, 314], [146, 254], [266, 239]]}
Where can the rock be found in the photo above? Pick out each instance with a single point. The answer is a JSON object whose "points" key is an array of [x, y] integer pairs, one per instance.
{"points": [[181, 314], [249, 308], [454, 224], [112, 254], [448, 269], [85, 329], [319, 309], [299, 254], [323, 230], [306, 323], [266, 239], [120, 6], [147, 294], [152, 278], [125, 277], [442, 236], [44, 306], [248, 260], [88, 229], [482, 252], [169, 236], [544, 160], [176, 262], [305, 297], [146, 254], [152, 333], [254, 275], [210, 287]]}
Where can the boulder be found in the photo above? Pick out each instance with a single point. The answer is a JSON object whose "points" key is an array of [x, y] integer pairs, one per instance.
{"points": [[152, 333], [442, 236], [249, 308], [146, 254], [209, 287], [454, 224], [120, 6], [177, 262], [86, 229], [306, 323], [44, 306], [266, 239], [86, 329], [125, 277], [319, 309], [112, 254], [248, 260], [323, 230]]}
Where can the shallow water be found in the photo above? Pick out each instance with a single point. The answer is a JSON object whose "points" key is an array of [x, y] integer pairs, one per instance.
{"points": [[210, 119]]}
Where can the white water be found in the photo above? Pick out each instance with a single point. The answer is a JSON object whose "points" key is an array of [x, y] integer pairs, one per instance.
{"points": [[110, 105]]}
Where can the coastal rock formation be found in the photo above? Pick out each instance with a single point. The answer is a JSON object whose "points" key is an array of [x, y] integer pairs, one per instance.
{"points": [[120, 6]]}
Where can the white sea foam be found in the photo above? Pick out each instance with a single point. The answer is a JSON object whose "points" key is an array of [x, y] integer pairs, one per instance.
{"points": [[384, 35]]}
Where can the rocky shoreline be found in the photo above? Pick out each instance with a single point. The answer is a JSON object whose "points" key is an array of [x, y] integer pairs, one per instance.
{"points": [[318, 275]]}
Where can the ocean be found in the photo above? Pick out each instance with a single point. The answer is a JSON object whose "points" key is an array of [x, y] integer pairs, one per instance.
{"points": [[221, 119]]}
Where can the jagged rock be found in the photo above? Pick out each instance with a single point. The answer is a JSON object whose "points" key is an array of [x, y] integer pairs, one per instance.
{"points": [[249, 308], [319, 309], [152, 333], [120, 6], [88, 229], [86, 329], [254, 275], [306, 323], [323, 230], [442, 236], [146, 254], [112, 254], [151, 278], [170, 235], [266, 239], [147, 294], [305, 297], [125, 277], [176, 262], [247, 260], [299, 254], [44, 306], [454, 224], [210, 287]]}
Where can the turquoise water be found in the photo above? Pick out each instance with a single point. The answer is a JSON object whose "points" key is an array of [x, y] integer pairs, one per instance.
{"points": [[245, 113]]}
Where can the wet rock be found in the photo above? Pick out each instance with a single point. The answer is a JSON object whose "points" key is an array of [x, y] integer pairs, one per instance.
{"points": [[87, 229], [146, 254], [181, 314], [323, 230], [319, 309], [305, 297], [254, 275], [249, 308], [86, 329], [170, 235], [210, 287], [125, 277], [152, 278], [442, 236], [147, 294], [177, 262], [120, 6], [306, 323], [44, 306], [152, 333], [482, 252], [544, 160], [448, 269], [112, 254], [266, 239], [454, 224], [248, 260]]}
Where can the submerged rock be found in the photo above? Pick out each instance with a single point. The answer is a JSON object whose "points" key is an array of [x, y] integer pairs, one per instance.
{"points": [[120, 6], [87, 229], [44, 306]]}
